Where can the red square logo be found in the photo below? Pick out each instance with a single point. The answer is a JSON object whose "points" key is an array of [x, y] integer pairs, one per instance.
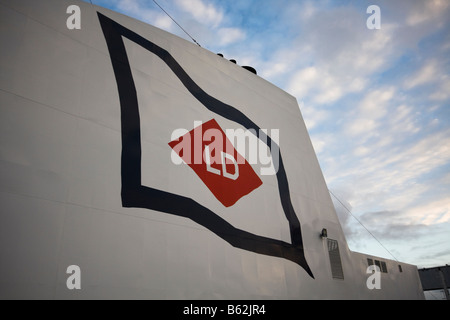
{"points": [[208, 151]]}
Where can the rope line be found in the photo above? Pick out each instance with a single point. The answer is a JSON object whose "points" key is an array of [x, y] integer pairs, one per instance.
{"points": [[195, 41], [348, 210]]}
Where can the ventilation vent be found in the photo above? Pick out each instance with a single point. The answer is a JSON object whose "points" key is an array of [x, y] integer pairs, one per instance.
{"points": [[335, 259]]}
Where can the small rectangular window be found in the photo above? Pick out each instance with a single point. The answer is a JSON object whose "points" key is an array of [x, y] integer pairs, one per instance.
{"points": [[335, 259], [400, 268], [378, 264], [383, 267], [369, 262]]}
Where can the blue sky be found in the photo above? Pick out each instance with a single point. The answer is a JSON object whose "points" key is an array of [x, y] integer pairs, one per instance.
{"points": [[376, 102]]}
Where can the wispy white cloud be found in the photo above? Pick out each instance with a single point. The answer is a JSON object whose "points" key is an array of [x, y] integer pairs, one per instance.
{"points": [[230, 35], [442, 92], [163, 22], [435, 212], [321, 86], [202, 11], [392, 180], [425, 75], [313, 116], [376, 138], [372, 108], [341, 62], [209, 23], [143, 12], [426, 11], [402, 122]]}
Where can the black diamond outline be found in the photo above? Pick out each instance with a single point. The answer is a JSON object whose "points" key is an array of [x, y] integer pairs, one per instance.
{"points": [[135, 195]]}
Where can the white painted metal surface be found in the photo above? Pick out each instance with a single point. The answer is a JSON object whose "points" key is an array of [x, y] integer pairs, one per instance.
{"points": [[60, 174]]}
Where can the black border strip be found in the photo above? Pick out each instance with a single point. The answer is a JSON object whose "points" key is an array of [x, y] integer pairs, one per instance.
{"points": [[137, 196]]}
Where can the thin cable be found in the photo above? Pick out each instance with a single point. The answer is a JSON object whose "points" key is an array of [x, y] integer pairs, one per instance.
{"points": [[176, 23], [362, 225]]}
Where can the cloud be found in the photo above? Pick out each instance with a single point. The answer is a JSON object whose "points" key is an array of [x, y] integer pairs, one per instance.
{"points": [[436, 256], [318, 144], [374, 103], [370, 110], [344, 211], [392, 225], [274, 69], [364, 97], [426, 11], [304, 81], [140, 10], [230, 35], [163, 22], [206, 13], [203, 20], [402, 120], [373, 54], [361, 151], [425, 155], [321, 86], [443, 91], [313, 116], [425, 245], [389, 176], [425, 75], [342, 59], [435, 212]]}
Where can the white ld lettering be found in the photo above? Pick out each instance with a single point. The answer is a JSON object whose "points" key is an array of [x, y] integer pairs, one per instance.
{"points": [[226, 174], [208, 162], [224, 156]]}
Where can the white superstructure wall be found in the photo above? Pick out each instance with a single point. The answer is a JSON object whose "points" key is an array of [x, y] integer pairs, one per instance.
{"points": [[87, 176]]}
